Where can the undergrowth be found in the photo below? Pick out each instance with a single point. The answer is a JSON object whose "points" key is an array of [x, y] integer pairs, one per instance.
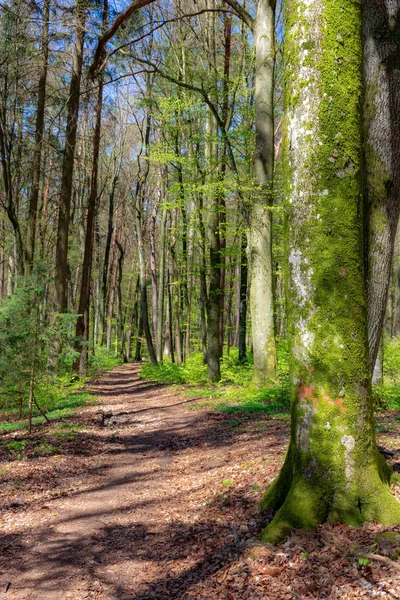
{"points": [[234, 393], [57, 396]]}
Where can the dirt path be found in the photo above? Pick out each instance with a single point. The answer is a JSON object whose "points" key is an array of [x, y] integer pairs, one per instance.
{"points": [[141, 507], [153, 500]]}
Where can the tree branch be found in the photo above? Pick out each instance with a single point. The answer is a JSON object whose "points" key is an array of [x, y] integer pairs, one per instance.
{"points": [[214, 110], [135, 5], [173, 20], [242, 13]]}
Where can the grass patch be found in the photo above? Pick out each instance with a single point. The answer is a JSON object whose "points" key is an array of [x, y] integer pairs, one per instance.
{"points": [[57, 396], [62, 403]]}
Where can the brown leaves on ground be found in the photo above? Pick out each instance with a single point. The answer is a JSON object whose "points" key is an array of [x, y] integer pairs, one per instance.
{"points": [[148, 499]]}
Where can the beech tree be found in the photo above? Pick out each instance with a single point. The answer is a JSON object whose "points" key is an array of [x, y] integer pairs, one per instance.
{"points": [[333, 470], [381, 22]]}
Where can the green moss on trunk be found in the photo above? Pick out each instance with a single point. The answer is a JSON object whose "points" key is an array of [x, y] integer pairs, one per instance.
{"points": [[332, 470]]}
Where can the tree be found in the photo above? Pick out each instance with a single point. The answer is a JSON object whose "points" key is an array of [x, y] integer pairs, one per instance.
{"points": [[381, 26], [37, 154], [333, 470], [82, 324], [260, 231], [64, 216]]}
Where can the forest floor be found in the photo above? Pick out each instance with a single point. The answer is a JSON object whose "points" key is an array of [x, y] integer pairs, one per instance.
{"points": [[139, 497]]}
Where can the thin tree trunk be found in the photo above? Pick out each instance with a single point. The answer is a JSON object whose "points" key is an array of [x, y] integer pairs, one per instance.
{"points": [[203, 282], [243, 300], [161, 286], [111, 300], [83, 324], [153, 269], [68, 161], [83, 321], [37, 154], [381, 22], [170, 319], [260, 233], [120, 319], [110, 231]]}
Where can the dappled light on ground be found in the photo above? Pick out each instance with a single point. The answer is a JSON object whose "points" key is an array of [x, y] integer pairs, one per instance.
{"points": [[138, 497]]}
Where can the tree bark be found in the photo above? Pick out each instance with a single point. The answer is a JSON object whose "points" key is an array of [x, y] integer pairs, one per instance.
{"points": [[243, 300], [381, 23], [106, 265], [161, 286], [260, 232], [153, 269], [333, 471]]}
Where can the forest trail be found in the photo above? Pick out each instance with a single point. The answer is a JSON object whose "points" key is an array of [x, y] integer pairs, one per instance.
{"points": [[131, 509], [153, 500]]}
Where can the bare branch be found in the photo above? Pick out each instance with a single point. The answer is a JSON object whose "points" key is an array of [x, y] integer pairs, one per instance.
{"points": [[160, 25]]}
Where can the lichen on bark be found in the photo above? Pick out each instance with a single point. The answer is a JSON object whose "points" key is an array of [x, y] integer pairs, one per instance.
{"points": [[332, 470]]}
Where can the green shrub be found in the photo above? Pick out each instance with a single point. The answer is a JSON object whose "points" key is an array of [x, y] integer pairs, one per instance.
{"points": [[102, 359], [391, 361], [164, 373]]}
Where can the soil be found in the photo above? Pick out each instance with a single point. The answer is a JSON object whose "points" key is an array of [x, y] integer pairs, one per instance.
{"points": [[152, 498]]}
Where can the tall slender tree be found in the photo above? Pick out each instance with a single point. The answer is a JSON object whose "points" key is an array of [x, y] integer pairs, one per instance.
{"points": [[72, 105]]}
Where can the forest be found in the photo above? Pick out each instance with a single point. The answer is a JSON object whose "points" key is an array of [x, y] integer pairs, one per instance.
{"points": [[200, 299]]}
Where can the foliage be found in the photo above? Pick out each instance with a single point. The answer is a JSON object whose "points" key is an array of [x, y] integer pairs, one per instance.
{"points": [[391, 360], [235, 392], [102, 360], [28, 360], [387, 393], [56, 400]]}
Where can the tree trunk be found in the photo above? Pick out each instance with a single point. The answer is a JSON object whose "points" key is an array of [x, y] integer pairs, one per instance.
{"points": [[395, 327], [120, 318], [37, 154], [203, 281], [260, 233], [333, 471], [10, 205], [68, 161], [143, 287], [243, 300], [106, 265], [153, 269], [83, 324], [161, 287], [170, 321], [83, 321], [139, 323], [381, 22]]}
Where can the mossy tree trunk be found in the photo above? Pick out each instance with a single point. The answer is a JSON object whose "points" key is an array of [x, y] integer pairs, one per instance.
{"points": [[260, 232], [381, 32], [332, 471]]}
